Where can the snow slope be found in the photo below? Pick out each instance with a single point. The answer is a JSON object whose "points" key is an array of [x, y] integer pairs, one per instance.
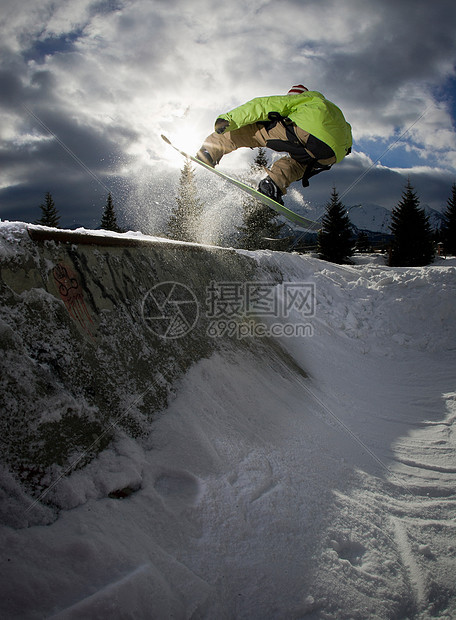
{"points": [[293, 477]]}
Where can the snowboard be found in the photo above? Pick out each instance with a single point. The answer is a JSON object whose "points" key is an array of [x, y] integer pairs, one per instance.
{"points": [[269, 202]]}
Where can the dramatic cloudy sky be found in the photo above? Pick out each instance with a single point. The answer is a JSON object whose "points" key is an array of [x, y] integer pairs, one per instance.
{"points": [[88, 86]]}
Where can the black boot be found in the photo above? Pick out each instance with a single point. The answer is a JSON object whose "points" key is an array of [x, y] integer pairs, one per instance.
{"points": [[270, 189]]}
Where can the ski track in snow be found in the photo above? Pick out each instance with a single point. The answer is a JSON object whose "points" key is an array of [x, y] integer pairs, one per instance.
{"points": [[268, 493]]}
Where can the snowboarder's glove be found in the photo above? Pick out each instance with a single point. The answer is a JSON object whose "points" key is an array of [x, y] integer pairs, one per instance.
{"points": [[220, 125]]}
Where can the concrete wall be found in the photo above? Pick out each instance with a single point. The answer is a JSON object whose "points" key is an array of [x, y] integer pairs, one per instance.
{"points": [[81, 353]]}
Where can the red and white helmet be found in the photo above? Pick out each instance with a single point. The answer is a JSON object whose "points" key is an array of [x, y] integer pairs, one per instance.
{"points": [[297, 90]]}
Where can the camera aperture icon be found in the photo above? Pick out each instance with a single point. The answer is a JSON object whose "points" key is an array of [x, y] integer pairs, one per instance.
{"points": [[170, 310]]}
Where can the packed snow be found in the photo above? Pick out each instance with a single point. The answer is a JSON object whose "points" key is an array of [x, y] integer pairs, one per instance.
{"points": [[303, 477]]}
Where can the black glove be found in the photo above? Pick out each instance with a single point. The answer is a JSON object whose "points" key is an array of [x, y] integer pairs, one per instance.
{"points": [[220, 125], [311, 170]]}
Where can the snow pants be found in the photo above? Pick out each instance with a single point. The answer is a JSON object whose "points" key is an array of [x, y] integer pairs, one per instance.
{"points": [[285, 170]]}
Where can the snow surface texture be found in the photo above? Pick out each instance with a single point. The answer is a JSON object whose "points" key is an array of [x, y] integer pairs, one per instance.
{"points": [[306, 477]]}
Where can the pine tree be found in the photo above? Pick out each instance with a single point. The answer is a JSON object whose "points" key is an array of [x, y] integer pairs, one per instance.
{"points": [[184, 223], [362, 242], [49, 213], [259, 222], [412, 243], [449, 224], [334, 242], [109, 219]]}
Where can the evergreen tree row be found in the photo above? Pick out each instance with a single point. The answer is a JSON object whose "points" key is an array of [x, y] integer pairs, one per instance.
{"points": [[413, 241], [412, 237], [50, 216]]}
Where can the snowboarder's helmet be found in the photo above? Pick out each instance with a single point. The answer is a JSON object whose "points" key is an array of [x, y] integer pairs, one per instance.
{"points": [[297, 90]]}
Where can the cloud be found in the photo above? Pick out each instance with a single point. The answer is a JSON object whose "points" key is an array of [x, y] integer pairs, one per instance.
{"points": [[107, 78]]}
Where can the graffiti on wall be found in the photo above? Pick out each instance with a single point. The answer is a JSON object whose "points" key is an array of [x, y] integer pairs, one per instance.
{"points": [[72, 296]]}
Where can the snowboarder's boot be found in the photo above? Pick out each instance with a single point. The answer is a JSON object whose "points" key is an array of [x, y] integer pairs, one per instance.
{"points": [[270, 189]]}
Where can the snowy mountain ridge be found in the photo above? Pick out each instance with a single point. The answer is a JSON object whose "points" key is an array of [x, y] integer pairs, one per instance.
{"points": [[368, 216], [375, 218]]}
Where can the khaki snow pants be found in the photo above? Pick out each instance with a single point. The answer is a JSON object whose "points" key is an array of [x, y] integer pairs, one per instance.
{"points": [[284, 171]]}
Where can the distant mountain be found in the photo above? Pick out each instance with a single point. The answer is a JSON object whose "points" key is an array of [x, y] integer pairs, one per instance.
{"points": [[375, 218], [370, 217]]}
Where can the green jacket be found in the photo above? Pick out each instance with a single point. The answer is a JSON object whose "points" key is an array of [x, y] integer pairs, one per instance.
{"points": [[310, 111]]}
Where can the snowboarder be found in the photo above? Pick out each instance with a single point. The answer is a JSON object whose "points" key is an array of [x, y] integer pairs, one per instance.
{"points": [[311, 129]]}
